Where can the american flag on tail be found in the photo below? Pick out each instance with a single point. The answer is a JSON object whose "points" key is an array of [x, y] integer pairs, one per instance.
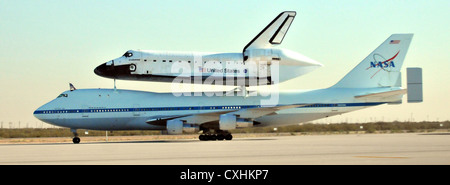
{"points": [[394, 42]]}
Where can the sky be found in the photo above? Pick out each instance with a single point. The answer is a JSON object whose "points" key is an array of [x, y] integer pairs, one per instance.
{"points": [[45, 44]]}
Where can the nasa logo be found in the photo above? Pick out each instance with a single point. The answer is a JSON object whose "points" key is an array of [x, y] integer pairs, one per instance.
{"points": [[382, 64]]}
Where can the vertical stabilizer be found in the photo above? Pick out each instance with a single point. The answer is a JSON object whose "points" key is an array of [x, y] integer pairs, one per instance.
{"points": [[382, 67]]}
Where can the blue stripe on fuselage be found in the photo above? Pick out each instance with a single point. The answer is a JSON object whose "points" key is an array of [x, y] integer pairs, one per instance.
{"points": [[231, 107]]}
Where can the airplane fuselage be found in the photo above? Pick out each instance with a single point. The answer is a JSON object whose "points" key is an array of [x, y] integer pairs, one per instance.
{"points": [[109, 109]]}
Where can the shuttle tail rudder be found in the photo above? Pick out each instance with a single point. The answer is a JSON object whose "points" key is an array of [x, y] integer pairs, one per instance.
{"points": [[273, 34], [382, 67]]}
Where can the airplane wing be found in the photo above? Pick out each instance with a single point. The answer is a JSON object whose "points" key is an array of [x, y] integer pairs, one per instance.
{"points": [[198, 119], [262, 111], [161, 120], [273, 33]]}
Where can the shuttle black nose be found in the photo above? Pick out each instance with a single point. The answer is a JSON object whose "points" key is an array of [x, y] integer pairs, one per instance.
{"points": [[112, 71], [100, 70], [107, 71]]}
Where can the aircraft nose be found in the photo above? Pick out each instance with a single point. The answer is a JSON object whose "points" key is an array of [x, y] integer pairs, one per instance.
{"points": [[39, 113], [109, 70], [99, 70], [45, 114], [36, 112], [104, 71]]}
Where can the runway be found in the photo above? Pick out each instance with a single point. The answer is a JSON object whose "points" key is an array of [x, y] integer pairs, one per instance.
{"points": [[359, 149]]}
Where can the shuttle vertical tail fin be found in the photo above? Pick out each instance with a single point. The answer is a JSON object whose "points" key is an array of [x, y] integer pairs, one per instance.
{"points": [[382, 67], [272, 34]]}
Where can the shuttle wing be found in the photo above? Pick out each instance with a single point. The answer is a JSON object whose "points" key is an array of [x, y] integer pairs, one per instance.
{"points": [[272, 34]]}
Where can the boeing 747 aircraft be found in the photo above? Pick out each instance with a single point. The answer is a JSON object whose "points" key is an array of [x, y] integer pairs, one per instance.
{"points": [[255, 61], [376, 80]]}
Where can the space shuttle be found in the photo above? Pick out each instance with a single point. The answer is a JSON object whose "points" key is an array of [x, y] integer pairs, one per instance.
{"points": [[260, 59]]}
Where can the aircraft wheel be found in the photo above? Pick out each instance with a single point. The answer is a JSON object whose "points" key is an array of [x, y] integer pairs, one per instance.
{"points": [[212, 137], [76, 140], [228, 137], [220, 137], [202, 137]]}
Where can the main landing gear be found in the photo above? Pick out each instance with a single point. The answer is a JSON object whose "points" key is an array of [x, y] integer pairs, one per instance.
{"points": [[75, 139], [215, 136]]}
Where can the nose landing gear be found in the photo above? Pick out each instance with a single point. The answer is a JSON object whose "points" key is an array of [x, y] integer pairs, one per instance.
{"points": [[75, 139]]}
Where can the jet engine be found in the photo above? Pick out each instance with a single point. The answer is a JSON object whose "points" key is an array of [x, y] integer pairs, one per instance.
{"points": [[229, 122], [178, 127]]}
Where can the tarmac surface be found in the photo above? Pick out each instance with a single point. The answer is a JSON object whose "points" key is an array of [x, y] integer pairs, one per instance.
{"points": [[345, 149]]}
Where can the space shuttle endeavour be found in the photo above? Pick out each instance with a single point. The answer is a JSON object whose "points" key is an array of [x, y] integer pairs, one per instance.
{"points": [[260, 59]]}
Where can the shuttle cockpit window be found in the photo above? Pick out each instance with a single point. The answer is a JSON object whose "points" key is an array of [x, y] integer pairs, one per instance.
{"points": [[63, 95], [128, 54]]}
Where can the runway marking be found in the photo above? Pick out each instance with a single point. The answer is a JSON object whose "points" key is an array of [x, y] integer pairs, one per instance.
{"points": [[381, 157]]}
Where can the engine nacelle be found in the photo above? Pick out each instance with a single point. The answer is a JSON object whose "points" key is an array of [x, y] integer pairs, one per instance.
{"points": [[178, 127], [190, 128], [174, 127], [243, 123], [229, 122]]}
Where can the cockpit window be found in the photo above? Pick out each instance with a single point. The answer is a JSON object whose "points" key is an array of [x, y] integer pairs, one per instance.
{"points": [[63, 95], [128, 54]]}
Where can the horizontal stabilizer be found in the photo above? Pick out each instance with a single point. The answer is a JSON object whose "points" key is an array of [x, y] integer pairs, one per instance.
{"points": [[385, 96]]}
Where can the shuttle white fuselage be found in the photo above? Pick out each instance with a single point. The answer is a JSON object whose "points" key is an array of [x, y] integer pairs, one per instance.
{"points": [[260, 59], [163, 66]]}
